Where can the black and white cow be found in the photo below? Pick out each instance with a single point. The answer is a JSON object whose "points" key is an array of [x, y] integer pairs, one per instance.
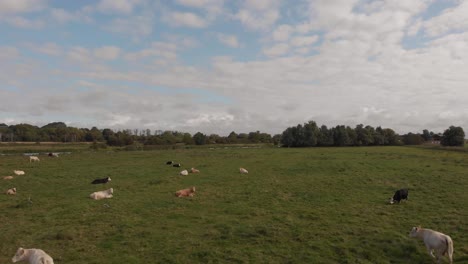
{"points": [[399, 195], [103, 180]]}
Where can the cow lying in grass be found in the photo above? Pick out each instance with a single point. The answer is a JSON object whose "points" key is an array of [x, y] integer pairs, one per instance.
{"points": [[186, 192], [11, 191], [243, 171], [193, 170], [33, 158], [399, 195], [33, 256], [103, 180], [434, 241], [7, 177], [184, 173], [102, 194], [18, 172]]}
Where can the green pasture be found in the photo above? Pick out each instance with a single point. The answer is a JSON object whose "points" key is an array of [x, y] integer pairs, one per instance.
{"points": [[310, 205]]}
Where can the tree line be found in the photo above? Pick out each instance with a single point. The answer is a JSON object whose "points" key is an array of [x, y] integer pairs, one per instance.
{"points": [[303, 135]]}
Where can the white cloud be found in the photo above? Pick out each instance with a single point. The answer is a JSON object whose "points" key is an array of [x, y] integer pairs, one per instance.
{"points": [[136, 26], [49, 48], [258, 15], [7, 52], [79, 54], [304, 41], [276, 50], [21, 22], [212, 7], [107, 52], [117, 6], [229, 40], [21, 6], [282, 33], [185, 19]]}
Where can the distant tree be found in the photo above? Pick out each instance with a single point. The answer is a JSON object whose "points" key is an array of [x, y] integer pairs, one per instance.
{"points": [[232, 138], [453, 136], [325, 136], [413, 139], [340, 136], [426, 135], [199, 138], [55, 125]]}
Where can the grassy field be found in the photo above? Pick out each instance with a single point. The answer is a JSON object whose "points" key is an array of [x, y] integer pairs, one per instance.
{"points": [[314, 205]]}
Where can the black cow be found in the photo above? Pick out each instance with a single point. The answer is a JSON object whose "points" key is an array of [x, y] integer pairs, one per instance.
{"points": [[176, 165], [99, 181], [399, 195], [169, 163]]}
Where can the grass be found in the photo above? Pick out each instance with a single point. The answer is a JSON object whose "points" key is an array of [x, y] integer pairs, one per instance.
{"points": [[312, 205]]}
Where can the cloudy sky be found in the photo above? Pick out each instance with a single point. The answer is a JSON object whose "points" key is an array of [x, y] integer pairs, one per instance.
{"points": [[217, 66]]}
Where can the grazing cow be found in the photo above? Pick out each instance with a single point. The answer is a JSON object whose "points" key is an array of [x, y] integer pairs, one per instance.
{"points": [[184, 173], [176, 165], [434, 241], [169, 162], [399, 195], [7, 177], [102, 194], [33, 158], [193, 170], [53, 155], [11, 191], [186, 192], [33, 256], [243, 171], [18, 172], [103, 180]]}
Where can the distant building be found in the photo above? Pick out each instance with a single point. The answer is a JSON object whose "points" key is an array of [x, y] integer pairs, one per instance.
{"points": [[2, 125], [436, 138]]}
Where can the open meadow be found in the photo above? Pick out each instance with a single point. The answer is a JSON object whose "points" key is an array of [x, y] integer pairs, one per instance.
{"points": [[306, 205]]}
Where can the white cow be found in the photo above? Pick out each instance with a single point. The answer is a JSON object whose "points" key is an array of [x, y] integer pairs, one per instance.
{"points": [[18, 172], [33, 158], [193, 170], [243, 171], [434, 241], [102, 194], [7, 177], [184, 173], [11, 191], [33, 256]]}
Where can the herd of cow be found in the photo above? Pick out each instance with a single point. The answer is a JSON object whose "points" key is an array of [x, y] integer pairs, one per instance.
{"points": [[434, 241]]}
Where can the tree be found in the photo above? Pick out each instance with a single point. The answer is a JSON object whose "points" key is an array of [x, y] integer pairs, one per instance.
{"points": [[426, 135], [453, 136], [199, 138]]}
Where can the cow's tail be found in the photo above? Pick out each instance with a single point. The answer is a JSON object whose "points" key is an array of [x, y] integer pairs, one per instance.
{"points": [[449, 251]]}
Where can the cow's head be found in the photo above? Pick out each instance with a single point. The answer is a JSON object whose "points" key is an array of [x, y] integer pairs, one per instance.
{"points": [[18, 256], [414, 231]]}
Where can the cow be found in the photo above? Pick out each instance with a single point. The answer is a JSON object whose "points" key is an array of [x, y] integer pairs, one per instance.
{"points": [[18, 172], [7, 177], [33, 158], [434, 241], [33, 256], [399, 195], [11, 191], [177, 165], [169, 162], [193, 170], [184, 173], [103, 180], [53, 155], [102, 194], [186, 192], [243, 171]]}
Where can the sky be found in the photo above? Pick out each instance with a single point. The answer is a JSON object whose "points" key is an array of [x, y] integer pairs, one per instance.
{"points": [[216, 66]]}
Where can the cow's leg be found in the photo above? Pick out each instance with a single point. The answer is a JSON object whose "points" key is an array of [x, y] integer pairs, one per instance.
{"points": [[429, 250]]}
